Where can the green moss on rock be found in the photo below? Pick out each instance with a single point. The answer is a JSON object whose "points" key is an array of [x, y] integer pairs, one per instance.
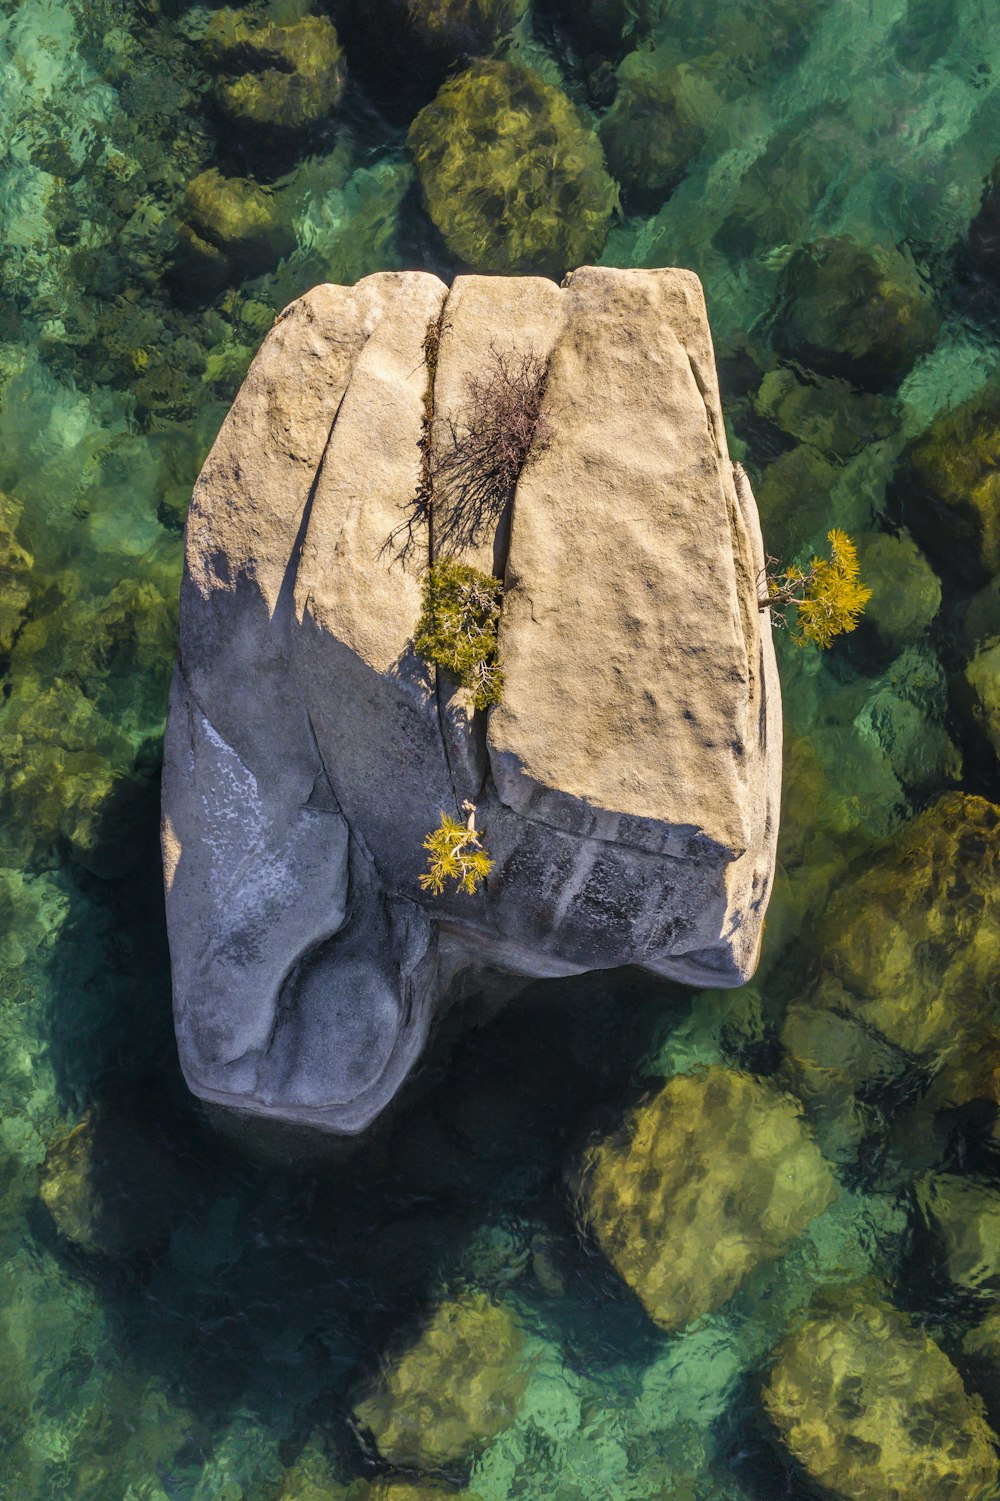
{"points": [[963, 1216], [873, 1410], [274, 76], [856, 311], [511, 176], [713, 1175], [110, 1186], [442, 1400], [650, 134]]}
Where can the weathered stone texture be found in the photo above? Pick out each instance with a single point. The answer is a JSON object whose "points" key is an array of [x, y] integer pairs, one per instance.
{"points": [[628, 782]]}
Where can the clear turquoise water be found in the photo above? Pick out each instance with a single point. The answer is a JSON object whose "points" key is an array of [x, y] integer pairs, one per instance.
{"points": [[197, 1364]]}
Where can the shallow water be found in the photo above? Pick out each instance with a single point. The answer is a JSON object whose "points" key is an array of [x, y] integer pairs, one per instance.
{"points": [[204, 1332]]}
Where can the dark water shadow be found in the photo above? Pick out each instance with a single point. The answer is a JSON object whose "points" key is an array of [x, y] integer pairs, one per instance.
{"points": [[269, 1280]]}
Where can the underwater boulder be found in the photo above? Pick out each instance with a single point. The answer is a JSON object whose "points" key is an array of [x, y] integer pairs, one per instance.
{"points": [[237, 218], [650, 134], [310, 750], [979, 692], [713, 1175], [607, 28], [444, 1398], [827, 414], [511, 176], [873, 1410], [905, 590], [909, 940], [860, 312], [949, 488], [271, 76], [462, 28], [16, 567], [963, 1217]]}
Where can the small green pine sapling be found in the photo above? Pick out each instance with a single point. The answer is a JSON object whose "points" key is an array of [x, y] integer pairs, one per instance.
{"points": [[458, 627], [455, 853]]}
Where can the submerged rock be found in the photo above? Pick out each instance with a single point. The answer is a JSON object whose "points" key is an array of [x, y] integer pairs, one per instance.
{"points": [[442, 1400], [511, 176], [462, 27], [964, 1218], [274, 76], [856, 311], [984, 231], [627, 782], [873, 1410], [906, 592], [714, 1175], [982, 682], [650, 133], [910, 937], [238, 218], [950, 488], [16, 565], [609, 27]]}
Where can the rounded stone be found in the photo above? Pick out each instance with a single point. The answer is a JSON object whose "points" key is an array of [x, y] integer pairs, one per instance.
{"points": [[444, 1398], [873, 1410], [274, 76], [713, 1175], [856, 311], [906, 592], [511, 176], [950, 488], [649, 134]]}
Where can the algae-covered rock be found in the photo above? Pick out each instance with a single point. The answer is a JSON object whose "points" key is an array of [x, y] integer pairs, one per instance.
{"points": [[275, 76], [856, 311], [463, 27], [393, 1488], [110, 1186], [950, 489], [794, 499], [16, 565], [964, 1218], [650, 133], [609, 27], [982, 681], [442, 1400], [826, 413], [239, 218], [713, 1175], [910, 938], [906, 592], [510, 174], [873, 1410]]}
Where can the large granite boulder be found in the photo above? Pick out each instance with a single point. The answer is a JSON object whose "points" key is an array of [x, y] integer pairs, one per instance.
{"points": [[627, 785]]}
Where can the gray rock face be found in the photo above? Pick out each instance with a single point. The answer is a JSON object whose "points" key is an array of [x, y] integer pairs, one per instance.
{"points": [[627, 785]]}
